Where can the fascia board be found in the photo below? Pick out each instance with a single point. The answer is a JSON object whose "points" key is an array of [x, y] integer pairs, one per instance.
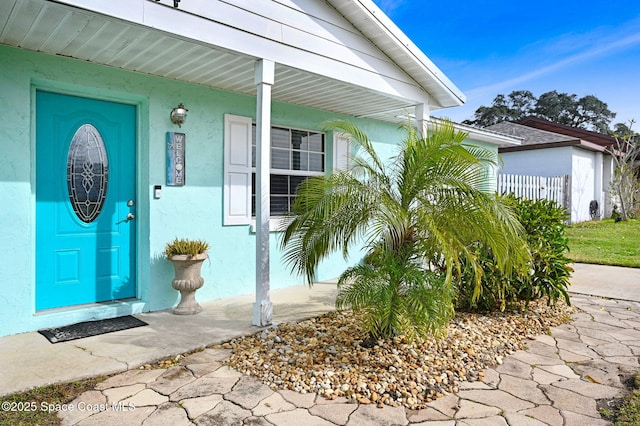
{"points": [[404, 46], [132, 11], [578, 143], [482, 135], [592, 146]]}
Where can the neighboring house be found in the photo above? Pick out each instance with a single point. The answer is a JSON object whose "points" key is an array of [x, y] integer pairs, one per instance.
{"points": [[549, 149], [95, 178]]}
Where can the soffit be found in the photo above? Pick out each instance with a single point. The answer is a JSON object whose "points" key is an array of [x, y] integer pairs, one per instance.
{"points": [[57, 29]]}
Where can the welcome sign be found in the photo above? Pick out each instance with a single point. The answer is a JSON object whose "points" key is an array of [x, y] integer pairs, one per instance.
{"points": [[175, 159]]}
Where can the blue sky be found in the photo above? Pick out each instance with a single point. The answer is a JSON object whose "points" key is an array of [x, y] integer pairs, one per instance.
{"points": [[488, 47]]}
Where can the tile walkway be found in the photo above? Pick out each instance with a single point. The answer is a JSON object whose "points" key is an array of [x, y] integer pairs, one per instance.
{"points": [[556, 381]]}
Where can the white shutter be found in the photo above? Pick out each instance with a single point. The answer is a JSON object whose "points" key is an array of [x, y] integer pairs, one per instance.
{"points": [[237, 170], [340, 152]]}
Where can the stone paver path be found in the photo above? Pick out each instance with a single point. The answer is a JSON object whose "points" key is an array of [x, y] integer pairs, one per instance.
{"points": [[556, 381]]}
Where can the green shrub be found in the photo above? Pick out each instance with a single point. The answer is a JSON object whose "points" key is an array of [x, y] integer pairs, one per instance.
{"points": [[544, 222], [423, 205], [496, 290], [547, 275], [396, 296]]}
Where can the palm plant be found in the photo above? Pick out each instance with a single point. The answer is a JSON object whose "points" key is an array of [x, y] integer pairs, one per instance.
{"points": [[419, 216]]}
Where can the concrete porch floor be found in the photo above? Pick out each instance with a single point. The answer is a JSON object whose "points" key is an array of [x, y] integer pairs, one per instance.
{"points": [[28, 359]]}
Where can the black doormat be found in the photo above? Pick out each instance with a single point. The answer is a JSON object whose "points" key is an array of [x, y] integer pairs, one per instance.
{"points": [[90, 328]]}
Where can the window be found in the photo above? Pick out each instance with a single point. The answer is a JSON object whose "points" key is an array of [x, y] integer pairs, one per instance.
{"points": [[87, 173], [295, 156]]}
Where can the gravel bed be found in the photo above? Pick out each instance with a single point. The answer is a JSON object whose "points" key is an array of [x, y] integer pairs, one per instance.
{"points": [[325, 355]]}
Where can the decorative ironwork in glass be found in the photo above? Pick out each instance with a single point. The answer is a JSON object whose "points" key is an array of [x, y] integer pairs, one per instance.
{"points": [[87, 173]]}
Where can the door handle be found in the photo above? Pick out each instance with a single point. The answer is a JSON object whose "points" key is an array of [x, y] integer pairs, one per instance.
{"points": [[129, 217]]}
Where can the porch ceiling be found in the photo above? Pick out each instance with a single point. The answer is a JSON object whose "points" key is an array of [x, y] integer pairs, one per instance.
{"points": [[56, 29]]}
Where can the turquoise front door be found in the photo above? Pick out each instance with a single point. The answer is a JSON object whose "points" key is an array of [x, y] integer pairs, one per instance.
{"points": [[85, 200]]}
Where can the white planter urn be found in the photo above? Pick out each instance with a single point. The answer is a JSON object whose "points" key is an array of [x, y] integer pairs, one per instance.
{"points": [[187, 280]]}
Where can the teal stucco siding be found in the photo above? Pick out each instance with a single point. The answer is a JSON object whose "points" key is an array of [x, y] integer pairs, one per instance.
{"points": [[194, 210]]}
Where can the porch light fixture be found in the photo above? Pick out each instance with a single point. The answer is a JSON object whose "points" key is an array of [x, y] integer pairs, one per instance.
{"points": [[179, 115]]}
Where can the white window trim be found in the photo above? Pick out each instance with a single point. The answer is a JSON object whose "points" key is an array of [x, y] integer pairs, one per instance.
{"points": [[241, 170], [275, 223]]}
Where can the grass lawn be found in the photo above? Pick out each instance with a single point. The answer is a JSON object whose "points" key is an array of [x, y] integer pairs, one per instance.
{"points": [[38, 406], [605, 242]]}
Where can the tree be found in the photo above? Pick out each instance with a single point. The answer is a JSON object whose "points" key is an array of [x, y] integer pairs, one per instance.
{"points": [[623, 130], [593, 112], [424, 205], [514, 107], [560, 108], [626, 184], [588, 112]]}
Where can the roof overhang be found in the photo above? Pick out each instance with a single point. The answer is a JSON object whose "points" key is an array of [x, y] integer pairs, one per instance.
{"points": [[578, 143], [377, 26], [563, 129], [189, 44], [482, 135]]}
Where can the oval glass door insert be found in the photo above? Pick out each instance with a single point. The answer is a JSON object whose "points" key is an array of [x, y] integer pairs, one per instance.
{"points": [[87, 173]]}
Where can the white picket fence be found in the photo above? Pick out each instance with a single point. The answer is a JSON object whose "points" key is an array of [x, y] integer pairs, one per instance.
{"points": [[555, 188]]}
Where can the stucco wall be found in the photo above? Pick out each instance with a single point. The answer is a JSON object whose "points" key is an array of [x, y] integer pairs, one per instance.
{"points": [[590, 174], [194, 210], [491, 171], [540, 162]]}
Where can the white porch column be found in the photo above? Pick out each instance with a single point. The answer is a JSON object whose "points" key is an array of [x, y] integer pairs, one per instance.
{"points": [[422, 118], [264, 79]]}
